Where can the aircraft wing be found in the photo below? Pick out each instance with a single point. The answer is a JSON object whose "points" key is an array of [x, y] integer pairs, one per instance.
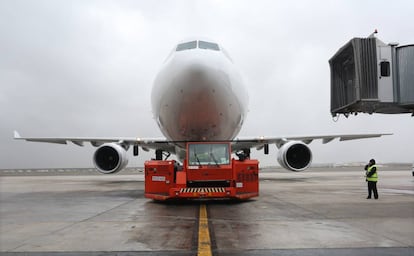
{"points": [[145, 143], [260, 142], [169, 146]]}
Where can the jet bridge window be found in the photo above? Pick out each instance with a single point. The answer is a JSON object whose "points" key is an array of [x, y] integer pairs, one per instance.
{"points": [[385, 68], [208, 45], [186, 46]]}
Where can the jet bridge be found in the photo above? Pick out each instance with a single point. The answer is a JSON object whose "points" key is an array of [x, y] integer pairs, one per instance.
{"points": [[369, 76]]}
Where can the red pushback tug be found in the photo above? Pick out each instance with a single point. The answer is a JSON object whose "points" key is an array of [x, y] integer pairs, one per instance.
{"points": [[208, 171]]}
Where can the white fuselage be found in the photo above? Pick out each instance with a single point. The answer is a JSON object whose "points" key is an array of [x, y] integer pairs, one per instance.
{"points": [[199, 96]]}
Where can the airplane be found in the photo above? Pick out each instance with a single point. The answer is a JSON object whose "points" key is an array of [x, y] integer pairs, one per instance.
{"points": [[198, 95]]}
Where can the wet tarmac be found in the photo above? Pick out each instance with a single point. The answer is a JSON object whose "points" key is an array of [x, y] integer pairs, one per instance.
{"points": [[318, 212]]}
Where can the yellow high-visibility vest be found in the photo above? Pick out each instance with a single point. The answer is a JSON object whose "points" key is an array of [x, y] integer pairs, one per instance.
{"points": [[374, 176]]}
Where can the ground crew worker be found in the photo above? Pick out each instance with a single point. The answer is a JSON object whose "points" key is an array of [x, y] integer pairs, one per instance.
{"points": [[372, 178]]}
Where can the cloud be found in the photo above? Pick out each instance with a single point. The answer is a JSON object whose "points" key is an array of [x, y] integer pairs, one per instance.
{"points": [[85, 68]]}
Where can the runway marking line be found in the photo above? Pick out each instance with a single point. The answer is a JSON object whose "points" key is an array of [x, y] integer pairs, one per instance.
{"points": [[204, 243]]}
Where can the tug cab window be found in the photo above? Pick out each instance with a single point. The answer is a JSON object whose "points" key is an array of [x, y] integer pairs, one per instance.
{"points": [[208, 154]]}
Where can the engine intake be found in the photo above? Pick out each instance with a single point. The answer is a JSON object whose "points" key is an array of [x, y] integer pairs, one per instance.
{"points": [[295, 156], [110, 158]]}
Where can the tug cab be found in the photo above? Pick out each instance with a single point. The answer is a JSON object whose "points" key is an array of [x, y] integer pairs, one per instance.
{"points": [[208, 171]]}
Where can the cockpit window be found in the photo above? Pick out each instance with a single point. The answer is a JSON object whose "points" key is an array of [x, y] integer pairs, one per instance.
{"points": [[208, 45], [201, 45], [186, 46]]}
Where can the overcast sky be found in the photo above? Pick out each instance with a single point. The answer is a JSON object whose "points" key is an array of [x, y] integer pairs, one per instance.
{"points": [[85, 68]]}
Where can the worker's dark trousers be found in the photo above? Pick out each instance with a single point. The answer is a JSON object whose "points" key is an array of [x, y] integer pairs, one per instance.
{"points": [[372, 187]]}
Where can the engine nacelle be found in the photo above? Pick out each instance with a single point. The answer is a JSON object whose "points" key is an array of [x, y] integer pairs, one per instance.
{"points": [[295, 156], [110, 158]]}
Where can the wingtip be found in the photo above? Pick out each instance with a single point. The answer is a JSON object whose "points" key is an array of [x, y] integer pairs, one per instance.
{"points": [[16, 135]]}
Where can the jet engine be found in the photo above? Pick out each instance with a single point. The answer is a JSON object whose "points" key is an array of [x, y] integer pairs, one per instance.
{"points": [[295, 156], [110, 158]]}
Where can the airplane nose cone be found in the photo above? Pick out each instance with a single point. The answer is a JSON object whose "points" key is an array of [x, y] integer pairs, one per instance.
{"points": [[196, 70], [201, 64], [195, 75]]}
